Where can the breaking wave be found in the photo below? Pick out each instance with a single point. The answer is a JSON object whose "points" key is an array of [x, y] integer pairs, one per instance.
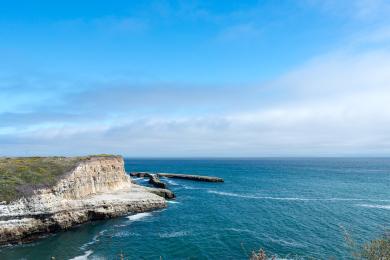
{"points": [[375, 206], [139, 216], [84, 256], [173, 234], [290, 198]]}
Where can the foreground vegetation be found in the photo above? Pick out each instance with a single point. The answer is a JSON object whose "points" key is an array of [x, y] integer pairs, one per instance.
{"points": [[377, 249], [20, 176]]}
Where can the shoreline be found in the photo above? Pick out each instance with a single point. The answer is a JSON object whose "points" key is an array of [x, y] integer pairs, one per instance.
{"points": [[97, 188]]}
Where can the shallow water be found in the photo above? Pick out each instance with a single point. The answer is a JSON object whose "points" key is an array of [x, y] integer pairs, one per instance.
{"points": [[290, 207]]}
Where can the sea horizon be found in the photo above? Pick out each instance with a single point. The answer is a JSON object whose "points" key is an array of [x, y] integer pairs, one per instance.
{"points": [[195, 129], [283, 206]]}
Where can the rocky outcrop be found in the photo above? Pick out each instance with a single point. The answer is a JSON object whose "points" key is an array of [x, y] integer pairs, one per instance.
{"points": [[190, 177], [177, 176], [161, 189], [155, 181], [165, 193], [97, 188], [140, 174]]}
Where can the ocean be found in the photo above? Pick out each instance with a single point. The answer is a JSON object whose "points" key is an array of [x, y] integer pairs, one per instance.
{"points": [[295, 208]]}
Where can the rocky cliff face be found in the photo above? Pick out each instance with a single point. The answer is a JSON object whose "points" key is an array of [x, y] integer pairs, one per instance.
{"points": [[96, 188], [98, 174]]}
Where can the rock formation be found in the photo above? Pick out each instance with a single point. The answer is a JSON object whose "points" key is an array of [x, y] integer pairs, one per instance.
{"points": [[155, 181], [97, 188], [140, 174], [177, 176], [165, 193], [191, 177]]}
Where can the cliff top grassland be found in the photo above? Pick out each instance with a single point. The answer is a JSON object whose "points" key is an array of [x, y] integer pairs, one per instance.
{"points": [[20, 176]]}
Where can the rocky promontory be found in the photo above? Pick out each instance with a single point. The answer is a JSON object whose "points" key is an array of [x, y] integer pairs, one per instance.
{"points": [[191, 177], [91, 188], [154, 177]]}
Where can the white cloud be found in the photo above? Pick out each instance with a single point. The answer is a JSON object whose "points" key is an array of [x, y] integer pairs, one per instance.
{"points": [[334, 104], [338, 104]]}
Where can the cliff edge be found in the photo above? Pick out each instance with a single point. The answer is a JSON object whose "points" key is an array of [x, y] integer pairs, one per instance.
{"points": [[94, 187]]}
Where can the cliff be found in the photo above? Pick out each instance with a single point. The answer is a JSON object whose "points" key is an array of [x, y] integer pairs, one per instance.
{"points": [[94, 188]]}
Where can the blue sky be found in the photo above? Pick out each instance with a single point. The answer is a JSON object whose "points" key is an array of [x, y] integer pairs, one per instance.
{"points": [[195, 78]]}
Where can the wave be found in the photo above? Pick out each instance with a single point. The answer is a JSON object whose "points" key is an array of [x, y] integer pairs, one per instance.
{"points": [[239, 230], [173, 234], [95, 239], [139, 216], [192, 188], [285, 242], [140, 179], [255, 197], [122, 234], [291, 198], [84, 256], [173, 202], [171, 182], [374, 206]]}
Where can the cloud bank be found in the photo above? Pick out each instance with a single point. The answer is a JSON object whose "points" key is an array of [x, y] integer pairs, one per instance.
{"points": [[334, 104]]}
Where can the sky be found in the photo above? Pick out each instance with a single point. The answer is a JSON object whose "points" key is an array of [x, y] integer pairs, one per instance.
{"points": [[195, 78]]}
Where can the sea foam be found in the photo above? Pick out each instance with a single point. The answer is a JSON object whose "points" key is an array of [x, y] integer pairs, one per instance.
{"points": [[174, 234], [139, 216], [84, 256], [374, 206], [230, 194]]}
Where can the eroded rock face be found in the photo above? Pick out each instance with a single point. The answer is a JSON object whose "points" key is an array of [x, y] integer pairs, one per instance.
{"points": [[97, 188], [99, 174], [165, 193], [155, 181]]}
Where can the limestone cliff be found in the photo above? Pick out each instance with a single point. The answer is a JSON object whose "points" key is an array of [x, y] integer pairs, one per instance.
{"points": [[96, 188]]}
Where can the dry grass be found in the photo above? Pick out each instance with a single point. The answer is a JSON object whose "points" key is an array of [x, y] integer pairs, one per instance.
{"points": [[260, 255], [20, 176], [378, 249]]}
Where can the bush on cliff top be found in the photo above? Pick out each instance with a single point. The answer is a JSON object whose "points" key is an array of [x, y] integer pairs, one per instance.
{"points": [[20, 176]]}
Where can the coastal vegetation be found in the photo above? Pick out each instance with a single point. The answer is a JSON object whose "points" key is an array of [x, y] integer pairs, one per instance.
{"points": [[376, 249], [20, 176], [260, 255]]}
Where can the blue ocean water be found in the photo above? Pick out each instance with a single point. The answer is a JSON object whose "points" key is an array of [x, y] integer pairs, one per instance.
{"points": [[293, 208]]}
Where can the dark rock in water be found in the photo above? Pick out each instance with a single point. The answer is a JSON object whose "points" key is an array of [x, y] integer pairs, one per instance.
{"points": [[160, 189], [177, 176], [155, 181], [165, 193], [191, 177], [140, 174]]}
